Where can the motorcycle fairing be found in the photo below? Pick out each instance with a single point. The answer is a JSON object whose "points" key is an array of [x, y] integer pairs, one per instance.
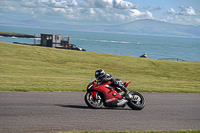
{"points": [[93, 93], [109, 93], [127, 83]]}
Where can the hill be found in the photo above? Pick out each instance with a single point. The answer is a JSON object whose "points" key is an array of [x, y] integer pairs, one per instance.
{"points": [[9, 34], [34, 68], [138, 27], [159, 28]]}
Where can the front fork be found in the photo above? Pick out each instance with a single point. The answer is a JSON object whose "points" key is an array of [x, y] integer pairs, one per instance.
{"points": [[94, 94]]}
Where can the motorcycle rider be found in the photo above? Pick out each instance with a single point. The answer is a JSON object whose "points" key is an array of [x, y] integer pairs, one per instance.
{"points": [[101, 77]]}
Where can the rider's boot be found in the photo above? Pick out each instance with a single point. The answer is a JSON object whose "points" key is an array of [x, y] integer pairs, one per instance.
{"points": [[127, 93]]}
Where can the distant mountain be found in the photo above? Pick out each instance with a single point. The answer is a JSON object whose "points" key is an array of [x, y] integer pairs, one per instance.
{"points": [[159, 28], [138, 27]]}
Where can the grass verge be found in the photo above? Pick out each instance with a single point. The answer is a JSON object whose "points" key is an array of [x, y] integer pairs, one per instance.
{"points": [[35, 68], [11, 33]]}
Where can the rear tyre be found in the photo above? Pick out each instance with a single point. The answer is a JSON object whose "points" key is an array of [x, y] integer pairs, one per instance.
{"points": [[137, 102], [94, 102]]}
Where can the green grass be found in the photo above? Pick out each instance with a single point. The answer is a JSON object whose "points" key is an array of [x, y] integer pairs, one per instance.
{"points": [[11, 33], [35, 68]]}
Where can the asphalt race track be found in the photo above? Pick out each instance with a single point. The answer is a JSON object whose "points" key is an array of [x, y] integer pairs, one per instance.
{"points": [[45, 112]]}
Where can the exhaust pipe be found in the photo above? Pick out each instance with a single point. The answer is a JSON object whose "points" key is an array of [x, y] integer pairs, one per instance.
{"points": [[121, 102]]}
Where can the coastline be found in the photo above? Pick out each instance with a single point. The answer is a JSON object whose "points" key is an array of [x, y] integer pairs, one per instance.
{"points": [[7, 34]]}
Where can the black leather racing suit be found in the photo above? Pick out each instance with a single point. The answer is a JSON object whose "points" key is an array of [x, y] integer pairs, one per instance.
{"points": [[114, 82]]}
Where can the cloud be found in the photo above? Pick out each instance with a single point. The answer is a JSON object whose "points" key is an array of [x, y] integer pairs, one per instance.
{"points": [[198, 20], [187, 10], [158, 8], [98, 3], [183, 15], [72, 3], [119, 4], [184, 10], [89, 11], [57, 3], [171, 11], [94, 11], [153, 8], [136, 13], [124, 4], [98, 11]]}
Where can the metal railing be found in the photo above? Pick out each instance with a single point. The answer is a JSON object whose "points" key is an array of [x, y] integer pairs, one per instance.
{"points": [[172, 59]]}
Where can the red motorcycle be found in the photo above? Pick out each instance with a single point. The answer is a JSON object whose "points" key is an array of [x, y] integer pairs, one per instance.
{"points": [[99, 95]]}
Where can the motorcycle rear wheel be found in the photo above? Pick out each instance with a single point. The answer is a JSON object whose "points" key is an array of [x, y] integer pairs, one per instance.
{"points": [[138, 102], [94, 102]]}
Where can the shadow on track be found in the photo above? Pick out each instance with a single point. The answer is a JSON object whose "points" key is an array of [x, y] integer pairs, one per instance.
{"points": [[73, 106], [86, 107]]}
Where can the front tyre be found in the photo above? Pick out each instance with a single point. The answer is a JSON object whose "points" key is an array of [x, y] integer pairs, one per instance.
{"points": [[137, 102], [94, 102]]}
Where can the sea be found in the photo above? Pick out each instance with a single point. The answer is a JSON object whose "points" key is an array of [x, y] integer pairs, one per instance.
{"points": [[156, 47]]}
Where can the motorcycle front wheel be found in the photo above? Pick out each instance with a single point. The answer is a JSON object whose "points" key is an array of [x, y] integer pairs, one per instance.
{"points": [[94, 102], [137, 102]]}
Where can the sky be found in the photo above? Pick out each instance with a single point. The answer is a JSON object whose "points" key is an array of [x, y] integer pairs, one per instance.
{"points": [[101, 12]]}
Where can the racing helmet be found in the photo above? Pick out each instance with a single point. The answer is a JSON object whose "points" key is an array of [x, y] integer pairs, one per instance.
{"points": [[99, 74]]}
